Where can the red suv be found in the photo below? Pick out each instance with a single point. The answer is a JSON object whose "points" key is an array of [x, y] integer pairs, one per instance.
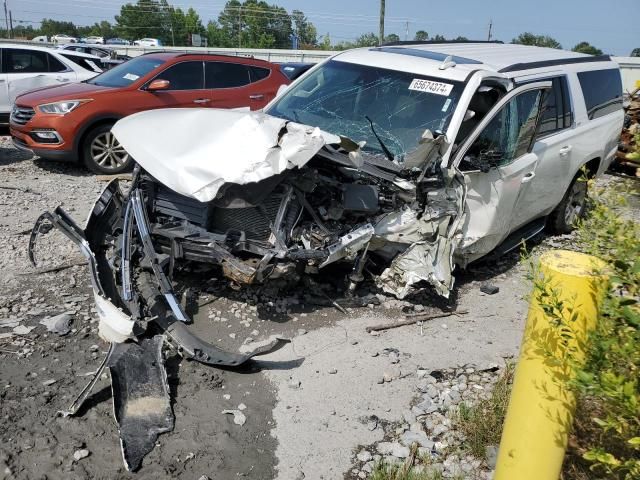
{"points": [[73, 121]]}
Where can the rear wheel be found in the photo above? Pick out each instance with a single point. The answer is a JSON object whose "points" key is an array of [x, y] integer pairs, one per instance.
{"points": [[102, 153], [572, 207]]}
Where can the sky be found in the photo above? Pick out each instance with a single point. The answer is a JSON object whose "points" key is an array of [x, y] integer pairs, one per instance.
{"points": [[611, 25]]}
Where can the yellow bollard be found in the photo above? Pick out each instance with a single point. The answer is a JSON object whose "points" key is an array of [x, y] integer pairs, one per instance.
{"points": [[540, 412]]}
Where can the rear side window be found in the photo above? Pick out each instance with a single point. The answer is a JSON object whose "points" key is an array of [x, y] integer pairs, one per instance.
{"points": [[86, 63], [56, 65], [557, 114], [602, 90], [259, 73], [184, 76], [226, 75]]}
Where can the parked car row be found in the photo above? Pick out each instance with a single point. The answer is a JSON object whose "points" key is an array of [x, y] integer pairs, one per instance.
{"points": [[62, 38], [73, 122]]}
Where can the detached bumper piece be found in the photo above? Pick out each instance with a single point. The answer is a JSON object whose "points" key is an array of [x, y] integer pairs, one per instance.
{"points": [[141, 402], [139, 382]]}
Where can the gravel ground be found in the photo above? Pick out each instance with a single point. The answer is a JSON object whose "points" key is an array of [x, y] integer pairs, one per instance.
{"points": [[311, 407]]}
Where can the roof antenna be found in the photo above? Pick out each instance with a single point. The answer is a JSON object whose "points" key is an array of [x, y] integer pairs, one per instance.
{"points": [[447, 63]]}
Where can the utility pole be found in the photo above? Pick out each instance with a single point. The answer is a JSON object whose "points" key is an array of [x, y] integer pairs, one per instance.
{"points": [[406, 31], [10, 25], [6, 19], [490, 25], [240, 27], [381, 40]]}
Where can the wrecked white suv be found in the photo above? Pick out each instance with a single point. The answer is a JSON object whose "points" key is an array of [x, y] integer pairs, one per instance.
{"points": [[398, 162]]}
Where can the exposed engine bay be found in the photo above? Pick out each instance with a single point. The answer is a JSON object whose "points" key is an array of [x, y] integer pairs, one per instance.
{"points": [[287, 202]]}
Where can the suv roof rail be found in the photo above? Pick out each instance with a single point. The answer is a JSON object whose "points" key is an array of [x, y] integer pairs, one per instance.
{"points": [[436, 42]]}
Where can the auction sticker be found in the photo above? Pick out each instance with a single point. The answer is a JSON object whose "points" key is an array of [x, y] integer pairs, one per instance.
{"points": [[430, 86]]}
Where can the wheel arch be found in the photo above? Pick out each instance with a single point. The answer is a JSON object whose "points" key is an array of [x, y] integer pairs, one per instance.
{"points": [[87, 127]]}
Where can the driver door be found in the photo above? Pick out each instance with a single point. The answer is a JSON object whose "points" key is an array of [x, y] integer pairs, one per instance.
{"points": [[497, 162]]}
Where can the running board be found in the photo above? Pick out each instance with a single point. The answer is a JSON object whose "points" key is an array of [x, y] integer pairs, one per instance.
{"points": [[515, 239]]}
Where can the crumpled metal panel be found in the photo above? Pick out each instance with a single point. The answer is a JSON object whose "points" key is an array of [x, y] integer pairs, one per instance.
{"points": [[210, 147]]}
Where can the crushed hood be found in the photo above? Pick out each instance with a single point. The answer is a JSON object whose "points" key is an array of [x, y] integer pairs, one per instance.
{"points": [[195, 151]]}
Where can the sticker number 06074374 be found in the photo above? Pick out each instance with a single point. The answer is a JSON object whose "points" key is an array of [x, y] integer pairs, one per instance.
{"points": [[430, 86]]}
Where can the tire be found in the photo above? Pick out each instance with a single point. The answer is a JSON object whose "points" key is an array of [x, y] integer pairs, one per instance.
{"points": [[572, 207], [102, 153]]}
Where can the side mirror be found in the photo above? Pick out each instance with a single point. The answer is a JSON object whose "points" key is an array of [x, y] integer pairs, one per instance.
{"points": [[158, 84]]}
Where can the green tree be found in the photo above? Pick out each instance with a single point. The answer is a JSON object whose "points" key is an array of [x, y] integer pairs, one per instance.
{"points": [[304, 29], [439, 38], [392, 37], [255, 24], [146, 18], [421, 36], [50, 27], [461, 38], [586, 47], [325, 44], [528, 38], [366, 40]]}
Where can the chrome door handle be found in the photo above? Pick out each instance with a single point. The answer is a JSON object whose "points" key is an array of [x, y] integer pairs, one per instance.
{"points": [[528, 177], [202, 100], [256, 97], [564, 151]]}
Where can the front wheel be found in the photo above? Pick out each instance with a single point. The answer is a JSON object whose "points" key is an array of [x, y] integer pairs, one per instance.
{"points": [[103, 154], [572, 207]]}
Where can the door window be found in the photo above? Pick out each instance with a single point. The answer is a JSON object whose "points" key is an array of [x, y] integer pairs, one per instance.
{"points": [[24, 61], [556, 114], [184, 76], [226, 75], [507, 136]]}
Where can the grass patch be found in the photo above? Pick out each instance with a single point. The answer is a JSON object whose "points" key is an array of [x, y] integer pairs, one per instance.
{"points": [[606, 438], [482, 421], [413, 468]]}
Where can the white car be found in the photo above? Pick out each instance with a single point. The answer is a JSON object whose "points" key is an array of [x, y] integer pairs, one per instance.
{"points": [[148, 42], [95, 39], [424, 156], [28, 67], [62, 38], [40, 39]]}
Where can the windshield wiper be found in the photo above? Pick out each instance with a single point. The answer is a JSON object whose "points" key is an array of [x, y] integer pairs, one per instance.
{"points": [[386, 151]]}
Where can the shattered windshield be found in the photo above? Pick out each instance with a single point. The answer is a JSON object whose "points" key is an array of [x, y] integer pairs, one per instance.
{"points": [[379, 106]]}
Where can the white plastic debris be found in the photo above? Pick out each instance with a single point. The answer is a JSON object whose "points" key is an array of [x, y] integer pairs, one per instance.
{"points": [[59, 324], [239, 418]]}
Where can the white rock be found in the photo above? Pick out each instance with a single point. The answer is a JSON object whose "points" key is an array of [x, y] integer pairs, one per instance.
{"points": [[364, 456], [22, 330], [80, 454]]}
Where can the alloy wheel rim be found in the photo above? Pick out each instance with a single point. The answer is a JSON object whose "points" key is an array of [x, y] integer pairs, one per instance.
{"points": [[107, 152], [575, 205]]}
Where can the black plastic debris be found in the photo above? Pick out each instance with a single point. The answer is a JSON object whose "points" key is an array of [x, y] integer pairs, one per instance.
{"points": [[141, 401]]}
